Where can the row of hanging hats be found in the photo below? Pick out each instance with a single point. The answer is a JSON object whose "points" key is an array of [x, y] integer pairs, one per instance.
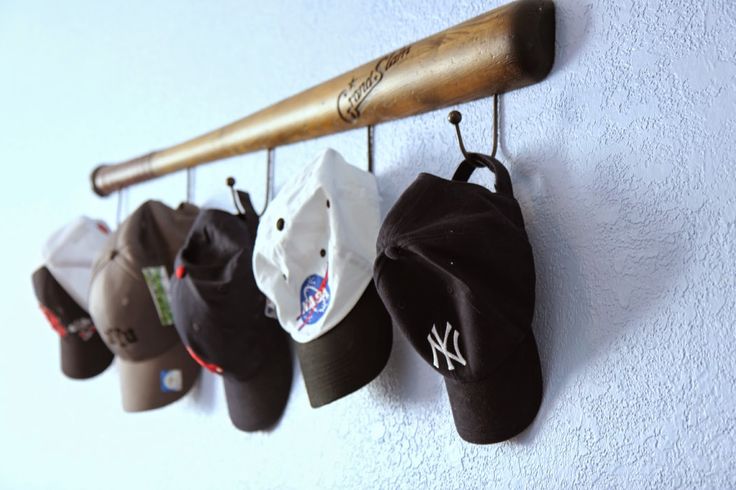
{"points": [[174, 289]]}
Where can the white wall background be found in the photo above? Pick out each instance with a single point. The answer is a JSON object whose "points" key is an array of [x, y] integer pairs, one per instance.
{"points": [[622, 161]]}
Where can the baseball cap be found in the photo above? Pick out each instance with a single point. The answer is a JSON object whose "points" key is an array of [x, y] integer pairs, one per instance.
{"points": [[83, 354], [221, 317], [456, 272], [130, 305], [313, 259], [70, 252]]}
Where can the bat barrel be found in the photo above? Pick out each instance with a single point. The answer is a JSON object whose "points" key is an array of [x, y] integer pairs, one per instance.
{"points": [[502, 50]]}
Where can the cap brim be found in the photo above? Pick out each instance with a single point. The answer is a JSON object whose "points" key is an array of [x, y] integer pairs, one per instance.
{"points": [[503, 405], [159, 381], [258, 402], [83, 359], [350, 355]]}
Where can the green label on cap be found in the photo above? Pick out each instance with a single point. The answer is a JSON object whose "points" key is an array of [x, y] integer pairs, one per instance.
{"points": [[158, 283]]}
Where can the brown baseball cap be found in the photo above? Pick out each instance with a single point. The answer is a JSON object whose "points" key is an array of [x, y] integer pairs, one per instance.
{"points": [[129, 303]]}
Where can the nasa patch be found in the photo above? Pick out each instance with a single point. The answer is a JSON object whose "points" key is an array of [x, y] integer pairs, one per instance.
{"points": [[171, 380], [314, 298]]}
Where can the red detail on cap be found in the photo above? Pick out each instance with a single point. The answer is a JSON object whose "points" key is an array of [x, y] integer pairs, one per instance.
{"points": [[180, 272], [104, 229], [209, 366], [54, 321]]}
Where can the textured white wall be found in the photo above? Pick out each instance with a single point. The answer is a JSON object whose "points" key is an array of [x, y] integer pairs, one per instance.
{"points": [[622, 161]]}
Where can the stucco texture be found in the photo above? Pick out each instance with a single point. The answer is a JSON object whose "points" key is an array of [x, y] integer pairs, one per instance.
{"points": [[622, 161]]}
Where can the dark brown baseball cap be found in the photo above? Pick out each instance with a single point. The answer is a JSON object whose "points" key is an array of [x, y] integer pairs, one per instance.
{"points": [[83, 354], [129, 303]]}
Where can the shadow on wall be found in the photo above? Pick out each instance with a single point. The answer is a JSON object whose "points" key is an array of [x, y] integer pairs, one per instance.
{"points": [[606, 252], [607, 247], [204, 392], [406, 377]]}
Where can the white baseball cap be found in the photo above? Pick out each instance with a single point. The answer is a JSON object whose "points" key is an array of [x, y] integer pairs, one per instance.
{"points": [[313, 258], [70, 252]]}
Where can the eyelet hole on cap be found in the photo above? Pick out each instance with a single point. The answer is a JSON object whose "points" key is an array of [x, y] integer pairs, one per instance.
{"points": [[280, 224], [328, 203], [322, 253]]}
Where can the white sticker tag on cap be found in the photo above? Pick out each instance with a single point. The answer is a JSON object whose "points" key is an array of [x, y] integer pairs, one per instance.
{"points": [[171, 380], [158, 284]]}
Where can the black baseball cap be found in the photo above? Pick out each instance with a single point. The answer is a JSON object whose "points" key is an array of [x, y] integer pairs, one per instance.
{"points": [[456, 272], [83, 354], [221, 317], [130, 304]]}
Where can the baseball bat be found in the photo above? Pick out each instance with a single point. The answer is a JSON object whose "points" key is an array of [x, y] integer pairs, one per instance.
{"points": [[504, 49]]}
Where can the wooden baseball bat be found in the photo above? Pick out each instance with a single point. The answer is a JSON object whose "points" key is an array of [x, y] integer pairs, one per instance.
{"points": [[504, 49]]}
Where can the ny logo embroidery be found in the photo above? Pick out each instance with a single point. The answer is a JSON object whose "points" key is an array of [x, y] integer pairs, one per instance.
{"points": [[441, 345]]}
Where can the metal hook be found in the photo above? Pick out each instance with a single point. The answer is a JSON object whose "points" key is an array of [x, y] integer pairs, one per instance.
{"points": [[117, 213], [455, 117], [231, 184], [269, 170], [478, 160], [190, 184], [495, 126], [270, 152], [370, 148], [122, 194]]}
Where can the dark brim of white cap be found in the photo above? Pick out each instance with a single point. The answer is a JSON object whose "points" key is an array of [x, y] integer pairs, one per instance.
{"points": [[259, 402], [502, 405], [159, 381], [350, 355]]}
